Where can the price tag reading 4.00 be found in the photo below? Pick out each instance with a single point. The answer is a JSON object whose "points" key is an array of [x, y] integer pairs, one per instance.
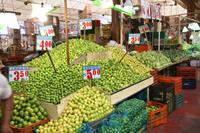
{"points": [[18, 73], [85, 24], [134, 39], [43, 43], [91, 72]]}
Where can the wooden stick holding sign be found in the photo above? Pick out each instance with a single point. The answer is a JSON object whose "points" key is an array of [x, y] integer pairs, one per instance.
{"points": [[132, 39], [51, 60]]}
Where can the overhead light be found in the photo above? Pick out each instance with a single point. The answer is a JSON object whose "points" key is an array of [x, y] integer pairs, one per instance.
{"points": [[191, 36], [9, 20], [194, 26], [185, 29]]}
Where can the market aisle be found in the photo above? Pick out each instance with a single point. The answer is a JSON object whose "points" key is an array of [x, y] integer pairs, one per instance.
{"points": [[185, 119]]}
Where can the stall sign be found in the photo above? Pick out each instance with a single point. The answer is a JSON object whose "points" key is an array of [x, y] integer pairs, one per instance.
{"points": [[85, 24], [47, 30], [144, 28], [18, 73], [91, 72], [145, 9], [134, 39], [44, 43], [156, 11]]}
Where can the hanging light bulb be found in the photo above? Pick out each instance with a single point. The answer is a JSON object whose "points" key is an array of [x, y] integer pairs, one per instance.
{"points": [[191, 36], [185, 29]]}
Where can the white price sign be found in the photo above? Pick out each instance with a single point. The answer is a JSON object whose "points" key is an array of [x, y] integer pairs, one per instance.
{"points": [[144, 28], [47, 30], [85, 24], [134, 39], [91, 72], [44, 43], [18, 73]]}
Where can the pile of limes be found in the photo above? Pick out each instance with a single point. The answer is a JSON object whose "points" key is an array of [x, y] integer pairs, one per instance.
{"points": [[26, 111]]}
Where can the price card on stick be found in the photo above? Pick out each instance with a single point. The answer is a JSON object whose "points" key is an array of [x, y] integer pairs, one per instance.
{"points": [[144, 28], [85, 24], [47, 30], [44, 43], [91, 72], [134, 39], [18, 73]]}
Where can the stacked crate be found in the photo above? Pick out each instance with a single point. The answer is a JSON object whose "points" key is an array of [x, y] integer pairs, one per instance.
{"points": [[177, 81], [164, 93], [189, 77]]}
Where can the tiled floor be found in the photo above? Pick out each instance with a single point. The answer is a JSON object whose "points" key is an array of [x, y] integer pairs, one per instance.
{"points": [[185, 119]]}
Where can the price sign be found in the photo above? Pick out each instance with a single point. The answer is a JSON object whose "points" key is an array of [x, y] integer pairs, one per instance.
{"points": [[18, 73], [85, 24], [43, 43], [47, 31], [144, 28], [91, 72], [134, 39]]}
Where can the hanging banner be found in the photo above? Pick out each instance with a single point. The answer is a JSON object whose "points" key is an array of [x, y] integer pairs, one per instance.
{"points": [[47, 30], [91, 72], [156, 11], [85, 24], [145, 9], [134, 39], [44, 43], [18, 73], [144, 28]]}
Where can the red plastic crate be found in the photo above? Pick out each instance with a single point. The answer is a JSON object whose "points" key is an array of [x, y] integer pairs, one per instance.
{"points": [[177, 81], [142, 48], [29, 129], [157, 117], [186, 72]]}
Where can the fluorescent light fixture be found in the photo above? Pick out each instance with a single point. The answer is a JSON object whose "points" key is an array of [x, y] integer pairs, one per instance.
{"points": [[9, 20], [185, 29], [194, 26]]}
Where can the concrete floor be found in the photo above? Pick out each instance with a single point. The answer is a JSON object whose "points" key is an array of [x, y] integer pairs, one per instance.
{"points": [[185, 119]]}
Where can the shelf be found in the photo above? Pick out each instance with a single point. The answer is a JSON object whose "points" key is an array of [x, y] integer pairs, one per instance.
{"points": [[127, 92]]}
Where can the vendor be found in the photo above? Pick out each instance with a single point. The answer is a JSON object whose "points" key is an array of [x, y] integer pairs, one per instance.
{"points": [[6, 102]]}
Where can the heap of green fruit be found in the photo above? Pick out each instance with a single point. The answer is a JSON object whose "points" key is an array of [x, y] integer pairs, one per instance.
{"points": [[26, 111], [153, 59], [151, 109], [58, 54], [116, 76], [87, 105], [138, 67], [175, 55]]}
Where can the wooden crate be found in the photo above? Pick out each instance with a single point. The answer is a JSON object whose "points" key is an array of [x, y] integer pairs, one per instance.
{"points": [[29, 129], [54, 110], [129, 91]]}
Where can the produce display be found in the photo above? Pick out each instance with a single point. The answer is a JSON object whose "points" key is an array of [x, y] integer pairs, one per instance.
{"points": [[26, 111], [115, 76], [186, 46], [151, 108], [134, 63], [128, 117], [175, 55], [87, 105], [153, 59]]}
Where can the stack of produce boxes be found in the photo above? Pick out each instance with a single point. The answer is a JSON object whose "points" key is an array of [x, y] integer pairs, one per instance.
{"points": [[189, 77], [177, 81]]}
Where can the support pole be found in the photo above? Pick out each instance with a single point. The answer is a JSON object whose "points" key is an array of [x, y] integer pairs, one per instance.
{"points": [[121, 25], [66, 31], [179, 29]]}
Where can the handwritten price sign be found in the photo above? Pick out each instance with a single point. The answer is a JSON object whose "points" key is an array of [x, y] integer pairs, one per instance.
{"points": [[47, 31], [85, 24], [144, 28], [18, 73], [134, 39], [91, 72], [44, 43]]}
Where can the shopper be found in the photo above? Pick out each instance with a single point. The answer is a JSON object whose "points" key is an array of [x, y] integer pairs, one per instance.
{"points": [[6, 102]]}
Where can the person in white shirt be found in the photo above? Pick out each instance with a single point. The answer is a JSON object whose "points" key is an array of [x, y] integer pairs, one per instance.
{"points": [[6, 102]]}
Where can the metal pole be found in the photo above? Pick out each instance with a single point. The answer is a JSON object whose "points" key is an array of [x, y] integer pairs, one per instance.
{"points": [[121, 25], [66, 29], [179, 30]]}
